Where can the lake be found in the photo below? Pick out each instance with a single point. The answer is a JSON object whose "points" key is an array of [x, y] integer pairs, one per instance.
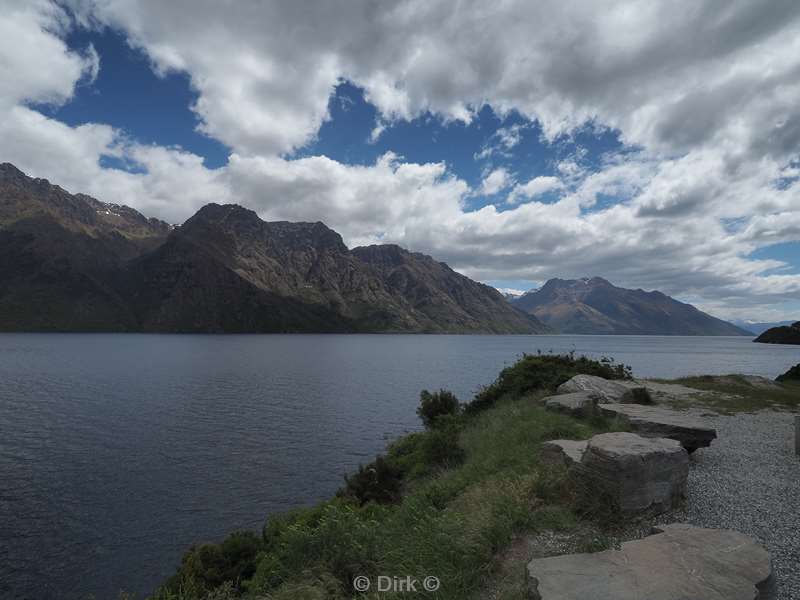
{"points": [[119, 451]]}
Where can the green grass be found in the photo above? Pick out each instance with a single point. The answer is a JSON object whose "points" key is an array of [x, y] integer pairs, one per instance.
{"points": [[451, 522], [733, 393]]}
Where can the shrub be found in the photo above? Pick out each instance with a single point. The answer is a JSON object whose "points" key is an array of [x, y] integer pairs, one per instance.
{"points": [[432, 406], [534, 372], [440, 447], [208, 566], [640, 395], [380, 482]]}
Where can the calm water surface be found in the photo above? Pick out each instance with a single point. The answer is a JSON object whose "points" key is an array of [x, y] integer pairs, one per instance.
{"points": [[119, 451]]}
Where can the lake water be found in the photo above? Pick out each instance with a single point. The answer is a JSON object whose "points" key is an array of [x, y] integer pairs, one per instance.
{"points": [[119, 451]]}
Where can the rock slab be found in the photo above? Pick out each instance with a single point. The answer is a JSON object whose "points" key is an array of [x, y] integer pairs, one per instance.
{"points": [[577, 404], [691, 430], [680, 562], [634, 474], [565, 453], [604, 390]]}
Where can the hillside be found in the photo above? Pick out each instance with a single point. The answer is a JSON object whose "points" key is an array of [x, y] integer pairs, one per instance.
{"points": [[787, 334], [73, 263], [595, 306]]}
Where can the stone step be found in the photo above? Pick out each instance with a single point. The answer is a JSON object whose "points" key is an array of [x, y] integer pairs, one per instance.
{"points": [[679, 562], [629, 473], [690, 429], [577, 404], [633, 474], [605, 390]]}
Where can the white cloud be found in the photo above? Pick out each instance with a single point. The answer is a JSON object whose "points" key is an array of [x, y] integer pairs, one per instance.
{"points": [[709, 94], [35, 65], [670, 80], [495, 182], [533, 188]]}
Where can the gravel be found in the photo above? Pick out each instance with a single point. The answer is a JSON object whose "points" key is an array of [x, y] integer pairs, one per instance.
{"points": [[749, 481]]}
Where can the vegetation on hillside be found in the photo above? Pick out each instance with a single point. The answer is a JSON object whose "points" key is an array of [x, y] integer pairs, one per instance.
{"points": [[792, 374], [441, 502]]}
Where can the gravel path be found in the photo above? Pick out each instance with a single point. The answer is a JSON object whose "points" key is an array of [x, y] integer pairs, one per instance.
{"points": [[749, 480]]}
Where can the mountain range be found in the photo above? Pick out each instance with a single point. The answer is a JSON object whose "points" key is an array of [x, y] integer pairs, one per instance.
{"points": [[595, 306], [69, 262]]}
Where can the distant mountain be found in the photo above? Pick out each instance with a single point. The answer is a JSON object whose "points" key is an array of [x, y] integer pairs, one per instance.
{"points": [[758, 328], [510, 294], [595, 306], [73, 263], [787, 334]]}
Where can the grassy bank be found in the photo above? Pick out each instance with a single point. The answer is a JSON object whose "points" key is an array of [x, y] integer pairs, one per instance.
{"points": [[730, 394], [442, 502]]}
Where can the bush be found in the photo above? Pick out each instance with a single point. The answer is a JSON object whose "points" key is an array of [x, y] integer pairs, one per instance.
{"points": [[380, 482], [440, 447], [435, 405], [535, 372], [208, 566], [640, 395]]}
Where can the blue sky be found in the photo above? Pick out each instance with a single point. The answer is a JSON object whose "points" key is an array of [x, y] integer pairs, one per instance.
{"points": [[514, 156]]}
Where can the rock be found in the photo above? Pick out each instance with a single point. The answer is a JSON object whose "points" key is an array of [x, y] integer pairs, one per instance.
{"points": [[563, 452], [679, 562], [690, 429], [578, 404], [636, 474], [603, 389]]}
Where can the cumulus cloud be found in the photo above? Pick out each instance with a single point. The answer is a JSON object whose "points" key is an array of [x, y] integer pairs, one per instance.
{"points": [[705, 99], [495, 182], [533, 188], [35, 64]]}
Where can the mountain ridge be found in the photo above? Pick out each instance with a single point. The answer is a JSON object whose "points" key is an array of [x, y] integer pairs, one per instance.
{"points": [[597, 307], [73, 263]]}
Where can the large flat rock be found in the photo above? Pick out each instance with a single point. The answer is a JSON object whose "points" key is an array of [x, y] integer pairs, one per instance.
{"points": [[691, 430], [681, 562], [604, 390], [632, 473], [577, 404]]}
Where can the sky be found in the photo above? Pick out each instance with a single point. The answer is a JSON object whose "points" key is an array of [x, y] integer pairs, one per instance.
{"points": [[656, 147]]}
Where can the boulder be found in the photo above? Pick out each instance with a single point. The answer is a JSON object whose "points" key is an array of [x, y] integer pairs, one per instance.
{"points": [[604, 390], [688, 428], [679, 562], [633, 473], [563, 452], [577, 404]]}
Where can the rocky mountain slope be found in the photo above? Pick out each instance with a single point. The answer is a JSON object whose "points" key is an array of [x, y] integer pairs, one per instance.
{"points": [[595, 306], [787, 334], [73, 263]]}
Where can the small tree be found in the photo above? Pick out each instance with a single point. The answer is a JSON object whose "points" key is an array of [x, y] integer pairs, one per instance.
{"points": [[435, 405]]}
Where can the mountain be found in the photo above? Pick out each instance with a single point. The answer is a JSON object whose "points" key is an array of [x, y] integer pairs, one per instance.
{"points": [[786, 334], [595, 306], [758, 328], [73, 263], [57, 253]]}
